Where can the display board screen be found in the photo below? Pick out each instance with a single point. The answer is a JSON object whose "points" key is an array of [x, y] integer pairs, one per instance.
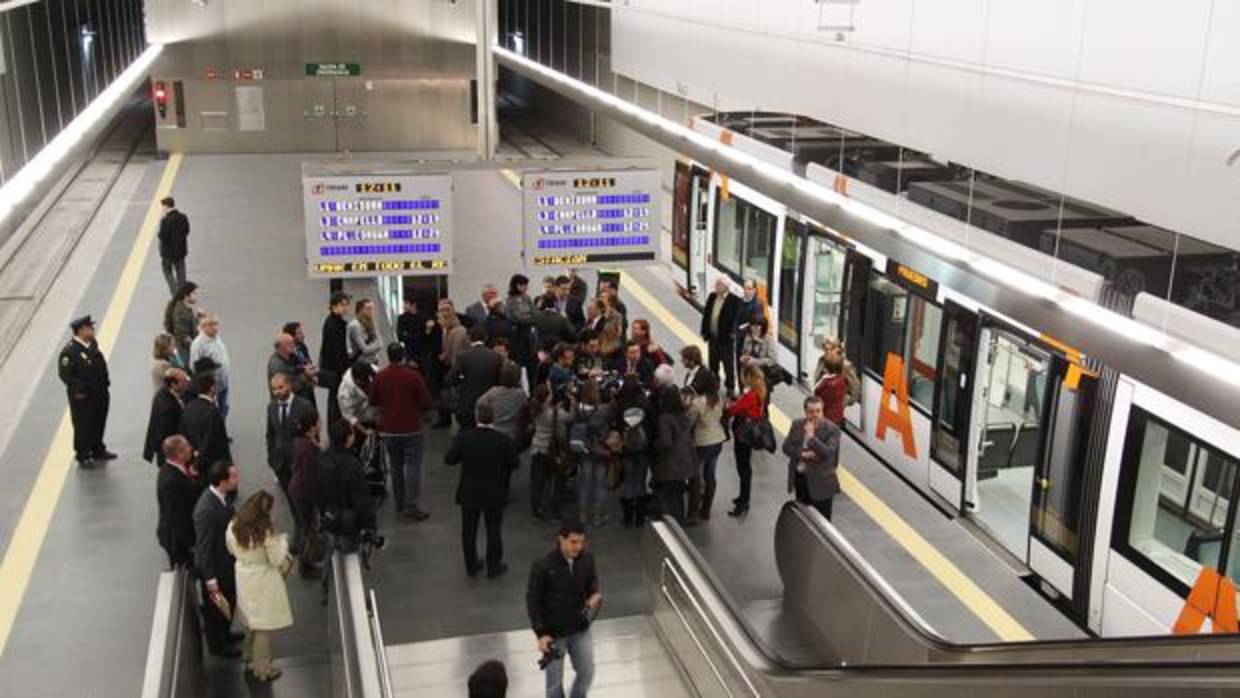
{"points": [[582, 218], [372, 225]]}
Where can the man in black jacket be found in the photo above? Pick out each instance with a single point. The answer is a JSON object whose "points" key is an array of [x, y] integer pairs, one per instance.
{"points": [[474, 371], [84, 371], [334, 351], [213, 562], [165, 418], [177, 491], [203, 425], [284, 413], [719, 331], [486, 457], [173, 244], [563, 586]]}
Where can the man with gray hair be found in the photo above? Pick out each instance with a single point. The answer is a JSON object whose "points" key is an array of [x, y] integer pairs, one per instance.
{"points": [[165, 419], [477, 312], [284, 360], [210, 345]]}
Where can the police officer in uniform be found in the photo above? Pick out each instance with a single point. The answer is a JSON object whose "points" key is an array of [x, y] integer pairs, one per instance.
{"points": [[84, 372]]}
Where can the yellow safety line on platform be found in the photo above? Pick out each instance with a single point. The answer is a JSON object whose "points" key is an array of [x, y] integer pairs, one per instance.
{"points": [[944, 570], [36, 517]]}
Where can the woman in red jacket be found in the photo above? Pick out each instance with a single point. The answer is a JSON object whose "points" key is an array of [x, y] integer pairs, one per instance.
{"points": [[752, 406]]}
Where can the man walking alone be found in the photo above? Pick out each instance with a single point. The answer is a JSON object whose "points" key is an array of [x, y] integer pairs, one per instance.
{"points": [[173, 244]]}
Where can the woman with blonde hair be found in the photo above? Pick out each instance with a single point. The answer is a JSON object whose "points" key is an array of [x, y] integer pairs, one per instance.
{"points": [[262, 564], [750, 406], [163, 357]]}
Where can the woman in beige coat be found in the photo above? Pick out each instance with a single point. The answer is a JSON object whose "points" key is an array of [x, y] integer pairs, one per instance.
{"points": [[262, 564]]}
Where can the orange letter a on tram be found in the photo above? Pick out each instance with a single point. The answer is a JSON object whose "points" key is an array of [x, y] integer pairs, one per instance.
{"points": [[897, 417], [1212, 596]]}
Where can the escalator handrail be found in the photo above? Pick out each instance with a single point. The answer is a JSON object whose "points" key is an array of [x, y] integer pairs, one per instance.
{"points": [[359, 656], [913, 623], [753, 658]]}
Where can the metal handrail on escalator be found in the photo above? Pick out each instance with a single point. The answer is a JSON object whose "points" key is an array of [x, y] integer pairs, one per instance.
{"points": [[174, 662], [881, 646], [359, 663]]}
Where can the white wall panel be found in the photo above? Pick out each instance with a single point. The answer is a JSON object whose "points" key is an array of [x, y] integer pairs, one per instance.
{"points": [[1023, 128], [1041, 37], [1212, 197], [884, 24], [872, 95], [1222, 76], [1147, 45], [941, 115], [1120, 147], [953, 29]]}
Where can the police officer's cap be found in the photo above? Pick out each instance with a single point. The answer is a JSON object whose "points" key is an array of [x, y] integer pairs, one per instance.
{"points": [[84, 321]]}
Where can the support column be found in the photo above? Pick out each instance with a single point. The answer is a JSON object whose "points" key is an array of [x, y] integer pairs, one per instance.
{"points": [[487, 30]]}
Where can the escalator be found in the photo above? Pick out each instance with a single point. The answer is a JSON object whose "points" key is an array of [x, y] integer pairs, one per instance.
{"points": [[870, 642]]}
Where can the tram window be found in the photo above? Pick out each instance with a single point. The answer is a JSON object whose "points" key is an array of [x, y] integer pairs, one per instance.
{"points": [[907, 326], [1174, 533], [759, 245], [729, 232]]}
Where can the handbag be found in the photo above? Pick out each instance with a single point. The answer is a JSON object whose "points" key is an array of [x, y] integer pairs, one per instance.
{"points": [[757, 434]]}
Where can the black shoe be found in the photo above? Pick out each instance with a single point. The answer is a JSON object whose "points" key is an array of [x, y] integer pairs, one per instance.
{"points": [[498, 571], [740, 510], [105, 454], [539, 515], [226, 653], [87, 463], [235, 637], [442, 424], [475, 569]]}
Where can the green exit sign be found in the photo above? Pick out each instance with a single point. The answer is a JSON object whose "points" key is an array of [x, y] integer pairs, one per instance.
{"points": [[333, 70]]}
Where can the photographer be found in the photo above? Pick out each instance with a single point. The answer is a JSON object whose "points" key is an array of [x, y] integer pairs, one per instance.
{"points": [[348, 514], [562, 593]]}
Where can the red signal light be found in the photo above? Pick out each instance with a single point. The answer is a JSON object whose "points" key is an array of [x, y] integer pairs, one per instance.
{"points": [[161, 99]]}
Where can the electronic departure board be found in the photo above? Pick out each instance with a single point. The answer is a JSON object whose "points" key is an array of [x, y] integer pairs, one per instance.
{"points": [[582, 218], [377, 224]]}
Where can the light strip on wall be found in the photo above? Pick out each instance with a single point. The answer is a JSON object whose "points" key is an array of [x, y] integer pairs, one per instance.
{"points": [[995, 270], [25, 182]]}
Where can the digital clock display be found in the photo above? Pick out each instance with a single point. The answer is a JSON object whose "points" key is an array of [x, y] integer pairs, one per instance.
{"points": [[362, 225], [377, 187]]}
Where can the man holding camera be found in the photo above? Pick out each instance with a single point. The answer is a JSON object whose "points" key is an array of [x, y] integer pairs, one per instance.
{"points": [[562, 592]]}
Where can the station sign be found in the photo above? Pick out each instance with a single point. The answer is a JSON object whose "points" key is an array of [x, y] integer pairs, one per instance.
{"points": [[591, 217], [377, 223], [333, 70]]}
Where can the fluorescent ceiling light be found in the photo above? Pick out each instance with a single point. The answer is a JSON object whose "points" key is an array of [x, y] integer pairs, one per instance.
{"points": [[1003, 274], [26, 181]]}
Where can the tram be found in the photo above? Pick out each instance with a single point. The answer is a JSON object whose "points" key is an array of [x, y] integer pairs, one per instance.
{"points": [[1117, 498]]}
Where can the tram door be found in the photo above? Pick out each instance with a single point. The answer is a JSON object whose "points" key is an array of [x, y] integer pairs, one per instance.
{"points": [[1011, 402], [699, 208], [953, 401], [856, 286]]}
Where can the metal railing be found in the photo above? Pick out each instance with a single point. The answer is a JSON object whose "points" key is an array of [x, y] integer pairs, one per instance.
{"points": [[359, 662], [881, 646], [174, 663]]}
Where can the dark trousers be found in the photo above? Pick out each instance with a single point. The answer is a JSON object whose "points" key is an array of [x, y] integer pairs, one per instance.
{"points": [[465, 420], [802, 493], [541, 476], [333, 406], [494, 516], [744, 469], [721, 351], [174, 272], [214, 623], [90, 417], [671, 494]]}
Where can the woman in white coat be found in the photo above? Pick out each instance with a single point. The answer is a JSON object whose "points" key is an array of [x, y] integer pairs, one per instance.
{"points": [[262, 564]]}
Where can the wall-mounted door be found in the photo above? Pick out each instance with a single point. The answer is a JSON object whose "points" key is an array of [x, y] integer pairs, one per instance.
{"points": [[823, 305], [698, 210]]}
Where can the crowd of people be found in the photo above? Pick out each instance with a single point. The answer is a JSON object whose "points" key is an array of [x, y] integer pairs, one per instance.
{"points": [[560, 379]]}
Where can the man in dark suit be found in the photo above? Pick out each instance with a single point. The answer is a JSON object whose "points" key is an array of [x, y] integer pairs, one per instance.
{"points": [[213, 562], [165, 419], [203, 425], [283, 415], [486, 457], [474, 371], [334, 351], [697, 378], [84, 371], [719, 331], [813, 450], [173, 244], [552, 327], [633, 365], [177, 491]]}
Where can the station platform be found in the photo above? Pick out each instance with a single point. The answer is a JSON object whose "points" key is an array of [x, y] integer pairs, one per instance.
{"points": [[80, 561]]}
